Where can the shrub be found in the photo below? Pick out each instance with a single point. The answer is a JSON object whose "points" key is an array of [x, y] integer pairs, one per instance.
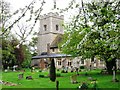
{"points": [[84, 86], [58, 74], [82, 67], [63, 71], [41, 76], [58, 70]]}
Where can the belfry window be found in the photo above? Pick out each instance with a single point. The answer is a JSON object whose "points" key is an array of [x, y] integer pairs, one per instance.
{"points": [[57, 27], [45, 27]]}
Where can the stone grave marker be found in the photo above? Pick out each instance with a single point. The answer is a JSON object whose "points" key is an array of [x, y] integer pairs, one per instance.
{"points": [[114, 75], [73, 79], [29, 78], [14, 67], [20, 76]]}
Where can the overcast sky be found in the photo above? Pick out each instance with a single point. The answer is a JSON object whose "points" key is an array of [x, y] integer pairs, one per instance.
{"points": [[16, 4]]}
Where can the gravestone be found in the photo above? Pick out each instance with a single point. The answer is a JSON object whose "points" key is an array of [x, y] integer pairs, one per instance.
{"points": [[32, 69], [1, 82], [20, 76], [114, 76], [8, 68], [29, 78], [5, 70], [14, 67], [92, 79], [73, 79]]}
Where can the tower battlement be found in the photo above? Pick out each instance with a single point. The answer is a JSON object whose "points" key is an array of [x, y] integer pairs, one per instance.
{"points": [[51, 14]]}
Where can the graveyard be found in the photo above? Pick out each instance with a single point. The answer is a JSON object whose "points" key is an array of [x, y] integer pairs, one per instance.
{"points": [[75, 47], [40, 79]]}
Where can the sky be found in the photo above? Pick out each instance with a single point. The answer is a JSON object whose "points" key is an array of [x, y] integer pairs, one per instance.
{"points": [[48, 6], [16, 4]]}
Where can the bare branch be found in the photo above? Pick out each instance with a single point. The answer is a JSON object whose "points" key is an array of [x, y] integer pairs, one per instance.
{"points": [[9, 27]]}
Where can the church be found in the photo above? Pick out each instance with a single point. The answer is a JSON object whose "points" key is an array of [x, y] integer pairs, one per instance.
{"points": [[49, 36]]}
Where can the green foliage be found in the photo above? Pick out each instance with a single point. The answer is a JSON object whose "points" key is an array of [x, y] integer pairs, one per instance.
{"points": [[82, 67], [84, 86], [33, 44], [41, 75], [94, 31], [12, 55], [52, 71], [30, 10], [5, 12], [58, 75], [27, 57], [8, 57]]}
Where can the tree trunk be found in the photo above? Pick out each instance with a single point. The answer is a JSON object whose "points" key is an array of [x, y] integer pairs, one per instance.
{"points": [[109, 65]]}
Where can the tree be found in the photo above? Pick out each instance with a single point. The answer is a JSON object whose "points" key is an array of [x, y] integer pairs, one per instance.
{"points": [[34, 14], [4, 12], [94, 32], [33, 45], [12, 47], [8, 55], [52, 71], [27, 57]]}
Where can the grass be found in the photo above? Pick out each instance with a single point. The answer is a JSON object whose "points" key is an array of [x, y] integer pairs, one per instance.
{"points": [[103, 81]]}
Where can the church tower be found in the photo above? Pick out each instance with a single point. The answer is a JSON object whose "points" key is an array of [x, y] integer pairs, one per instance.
{"points": [[50, 28]]}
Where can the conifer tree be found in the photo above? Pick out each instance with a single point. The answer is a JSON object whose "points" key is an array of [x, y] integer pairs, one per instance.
{"points": [[52, 71]]}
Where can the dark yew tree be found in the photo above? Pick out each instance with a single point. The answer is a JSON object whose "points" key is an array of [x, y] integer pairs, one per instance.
{"points": [[52, 71], [19, 54]]}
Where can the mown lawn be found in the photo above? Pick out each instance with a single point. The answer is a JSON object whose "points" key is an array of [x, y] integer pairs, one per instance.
{"points": [[103, 81]]}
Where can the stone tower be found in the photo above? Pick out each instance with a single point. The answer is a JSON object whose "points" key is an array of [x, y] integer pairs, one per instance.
{"points": [[50, 28]]}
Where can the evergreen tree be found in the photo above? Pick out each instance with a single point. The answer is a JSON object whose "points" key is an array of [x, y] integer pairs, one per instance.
{"points": [[52, 71]]}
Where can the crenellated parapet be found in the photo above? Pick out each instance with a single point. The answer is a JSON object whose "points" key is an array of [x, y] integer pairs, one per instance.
{"points": [[51, 14]]}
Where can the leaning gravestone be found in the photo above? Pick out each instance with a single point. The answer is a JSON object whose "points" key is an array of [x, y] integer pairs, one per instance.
{"points": [[8, 68], [20, 76], [114, 76], [29, 78], [73, 79]]}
